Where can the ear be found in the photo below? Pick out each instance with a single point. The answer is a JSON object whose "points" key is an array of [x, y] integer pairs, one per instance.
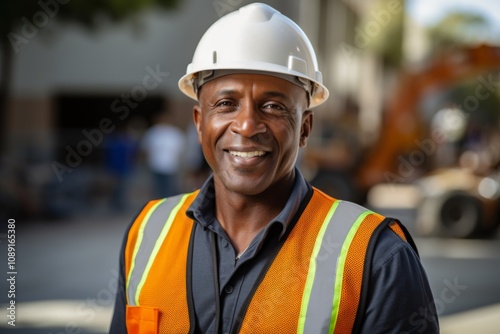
{"points": [[306, 127], [197, 118]]}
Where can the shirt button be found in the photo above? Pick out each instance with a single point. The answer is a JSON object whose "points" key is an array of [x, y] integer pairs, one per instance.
{"points": [[228, 289]]}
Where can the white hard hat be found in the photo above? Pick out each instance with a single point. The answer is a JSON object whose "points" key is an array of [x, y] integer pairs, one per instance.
{"points": [[256, 38]]}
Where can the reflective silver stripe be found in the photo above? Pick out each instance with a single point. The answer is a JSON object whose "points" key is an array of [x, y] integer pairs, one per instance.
{"points": [[152, 229], [318, 316]]}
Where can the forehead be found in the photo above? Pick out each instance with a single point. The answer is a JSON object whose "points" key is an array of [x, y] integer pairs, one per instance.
{"points": [[257, 83]]}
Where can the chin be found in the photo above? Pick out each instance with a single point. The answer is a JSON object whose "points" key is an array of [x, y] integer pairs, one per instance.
{"points": [[246, 186]]}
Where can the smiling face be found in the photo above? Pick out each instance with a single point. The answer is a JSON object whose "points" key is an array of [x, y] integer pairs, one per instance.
{"points": [[250, 127]]}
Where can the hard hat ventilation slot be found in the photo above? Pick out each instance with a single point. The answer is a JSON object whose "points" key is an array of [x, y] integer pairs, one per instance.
{"points": [[214, 57], [296, 64]]}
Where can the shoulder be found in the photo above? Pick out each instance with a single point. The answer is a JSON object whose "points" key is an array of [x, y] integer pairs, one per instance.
{"points": [[390, 242], [161, 207], [155, 216], [390, 249]]}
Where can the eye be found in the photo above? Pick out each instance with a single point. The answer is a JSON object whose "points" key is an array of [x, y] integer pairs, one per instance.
{"points": [[224, 105], [274, 107]]}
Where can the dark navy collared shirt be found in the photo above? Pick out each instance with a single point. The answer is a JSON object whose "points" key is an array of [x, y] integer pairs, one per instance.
{"points": [[235, 278], [399, 298]]}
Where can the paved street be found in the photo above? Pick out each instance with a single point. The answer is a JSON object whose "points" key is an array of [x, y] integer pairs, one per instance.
{"points": [[67, 274]]}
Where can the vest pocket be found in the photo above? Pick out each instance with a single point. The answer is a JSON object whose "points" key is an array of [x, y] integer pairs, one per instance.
{"points": [[142, 319]]}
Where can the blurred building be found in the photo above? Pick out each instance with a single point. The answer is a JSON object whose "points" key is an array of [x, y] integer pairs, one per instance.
{"points": [[73, 86]]}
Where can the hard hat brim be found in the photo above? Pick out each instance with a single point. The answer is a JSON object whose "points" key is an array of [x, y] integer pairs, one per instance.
{"points": [[319, 94]]}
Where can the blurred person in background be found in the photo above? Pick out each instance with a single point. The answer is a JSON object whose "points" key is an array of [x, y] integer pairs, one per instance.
{"points": [[163, 145], [119, 159], [257, 249]]}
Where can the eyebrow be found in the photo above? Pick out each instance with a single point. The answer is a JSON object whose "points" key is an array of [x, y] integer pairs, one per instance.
{"points": [[266, 94], [277, 94], [225, 92]]}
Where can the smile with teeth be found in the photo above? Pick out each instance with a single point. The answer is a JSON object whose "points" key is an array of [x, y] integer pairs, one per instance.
{"points": [[247, 154]]}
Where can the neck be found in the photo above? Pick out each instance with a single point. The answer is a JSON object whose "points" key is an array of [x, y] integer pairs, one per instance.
{"points": [[243, 217]]}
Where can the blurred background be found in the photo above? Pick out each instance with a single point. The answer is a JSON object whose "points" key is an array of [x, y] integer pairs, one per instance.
{"points": [[412, 130]]}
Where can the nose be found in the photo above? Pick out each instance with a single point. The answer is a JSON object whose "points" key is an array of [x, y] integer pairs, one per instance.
{"points": [[248, 121]]}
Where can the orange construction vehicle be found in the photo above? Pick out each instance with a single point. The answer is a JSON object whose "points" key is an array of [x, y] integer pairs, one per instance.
{"points": [[457, 200]]}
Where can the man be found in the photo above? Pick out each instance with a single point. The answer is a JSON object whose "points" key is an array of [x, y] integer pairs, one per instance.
{"points": [[163, 145], [256, 249]]}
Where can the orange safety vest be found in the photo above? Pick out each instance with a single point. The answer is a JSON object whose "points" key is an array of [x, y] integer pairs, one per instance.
{"points": [[316, 276]]}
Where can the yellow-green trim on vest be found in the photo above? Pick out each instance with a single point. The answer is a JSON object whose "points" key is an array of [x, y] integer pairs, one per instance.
{"points": [[140, 235], [321, 298], [151, 235], [312, 269], [341, 266]]}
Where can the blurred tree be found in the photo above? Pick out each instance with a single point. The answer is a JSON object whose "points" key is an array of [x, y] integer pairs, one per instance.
{"points": [[459, 29], [384, 26], [20, 21]]}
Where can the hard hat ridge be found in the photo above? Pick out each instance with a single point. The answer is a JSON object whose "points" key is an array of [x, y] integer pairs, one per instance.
{"points": [[259, 12]]}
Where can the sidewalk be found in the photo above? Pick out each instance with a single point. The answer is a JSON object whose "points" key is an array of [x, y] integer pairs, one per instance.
{"points": [[484, 320]]}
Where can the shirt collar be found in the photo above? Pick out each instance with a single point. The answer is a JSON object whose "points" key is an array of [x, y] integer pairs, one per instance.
{"points": [[202, 208]]}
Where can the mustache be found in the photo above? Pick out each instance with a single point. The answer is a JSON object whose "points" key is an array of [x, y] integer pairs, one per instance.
{"points": [[261, 141]]}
